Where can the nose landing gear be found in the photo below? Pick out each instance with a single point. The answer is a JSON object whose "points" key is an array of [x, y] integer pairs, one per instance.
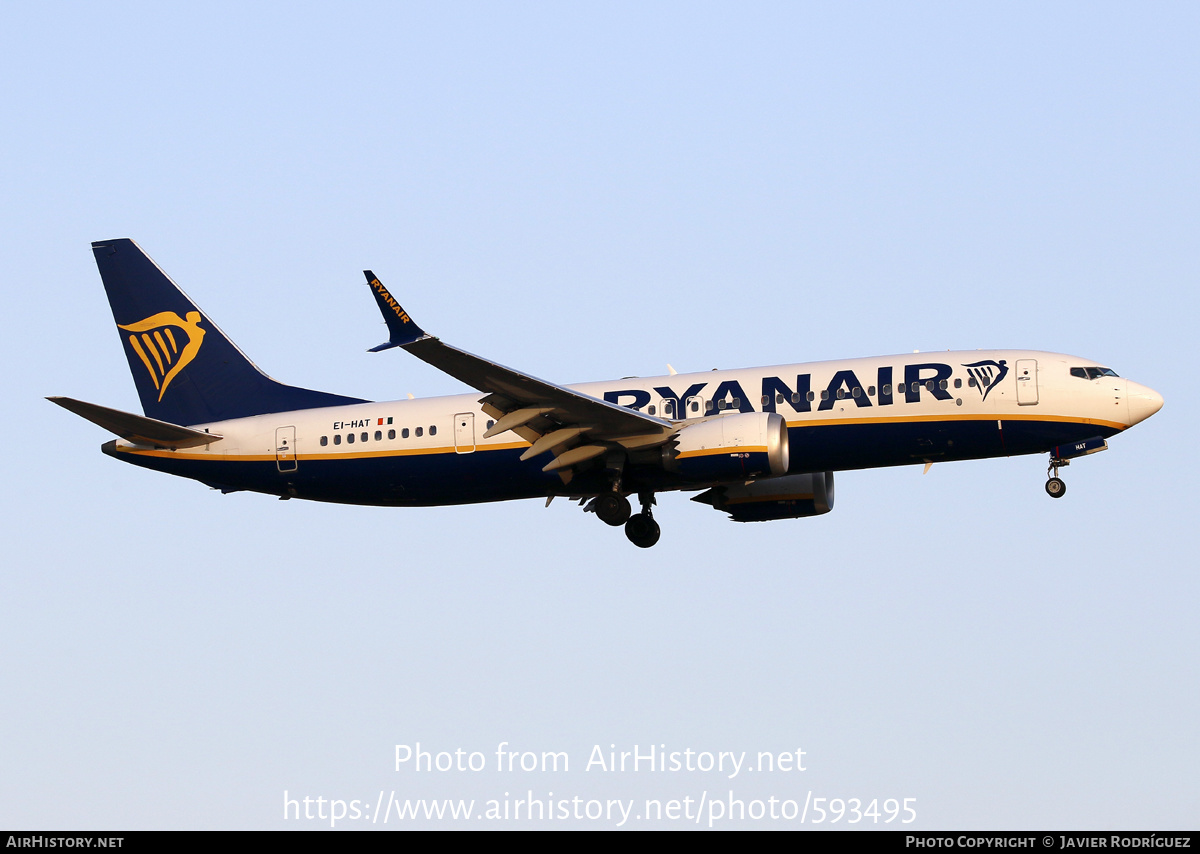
{"points": [[1055, 487]]}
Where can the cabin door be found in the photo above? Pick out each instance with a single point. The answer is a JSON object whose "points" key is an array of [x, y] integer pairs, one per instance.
{"points": [[285, 448], [1027, 388], [464, 432]]}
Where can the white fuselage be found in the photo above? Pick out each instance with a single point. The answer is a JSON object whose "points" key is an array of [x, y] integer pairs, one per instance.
{"points": [[854, 413]]}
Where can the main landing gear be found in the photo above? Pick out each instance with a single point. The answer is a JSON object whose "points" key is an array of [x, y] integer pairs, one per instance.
{"points": [[1055, 487], [641, 529], [613, 509]]}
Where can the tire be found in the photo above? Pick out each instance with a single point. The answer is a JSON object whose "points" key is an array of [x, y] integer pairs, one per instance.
{"points": [[613, 509], [642, 531], [1055, 488]]}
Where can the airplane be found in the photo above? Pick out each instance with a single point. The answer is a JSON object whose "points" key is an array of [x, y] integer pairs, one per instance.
{"points": [[759, 444]]}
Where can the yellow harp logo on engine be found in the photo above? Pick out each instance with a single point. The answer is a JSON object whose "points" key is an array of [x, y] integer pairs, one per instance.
{"points": [[166, 344]]}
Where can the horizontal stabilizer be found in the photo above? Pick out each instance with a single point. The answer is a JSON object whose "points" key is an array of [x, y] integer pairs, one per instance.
{"points": [[137, 428]]}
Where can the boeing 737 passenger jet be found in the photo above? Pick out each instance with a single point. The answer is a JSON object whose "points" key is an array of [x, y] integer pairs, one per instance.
{"points": [[758, 444]]}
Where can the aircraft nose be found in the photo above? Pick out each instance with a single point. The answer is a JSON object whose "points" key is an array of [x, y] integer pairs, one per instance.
{"points": [[1143, 402]]}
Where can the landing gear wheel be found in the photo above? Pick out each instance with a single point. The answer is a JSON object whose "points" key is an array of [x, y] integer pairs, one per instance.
{"points": [[613, 509], [642, 531], [1055, 488]]}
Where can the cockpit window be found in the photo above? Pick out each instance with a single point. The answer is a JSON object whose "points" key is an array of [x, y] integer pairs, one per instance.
{"points": [[1092, 373]]}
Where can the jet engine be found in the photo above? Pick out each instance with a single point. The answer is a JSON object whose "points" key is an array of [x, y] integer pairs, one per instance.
{"points": [[790, 497], [730, 447]]}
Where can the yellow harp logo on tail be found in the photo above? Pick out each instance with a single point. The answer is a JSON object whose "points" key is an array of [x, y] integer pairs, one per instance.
{"points": [[157, 342]]}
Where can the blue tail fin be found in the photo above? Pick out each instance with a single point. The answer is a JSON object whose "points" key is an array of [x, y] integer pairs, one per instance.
{"points": [[185, 369]]}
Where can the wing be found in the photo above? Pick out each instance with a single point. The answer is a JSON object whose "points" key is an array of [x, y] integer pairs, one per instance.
{"points": [[574, 427]]}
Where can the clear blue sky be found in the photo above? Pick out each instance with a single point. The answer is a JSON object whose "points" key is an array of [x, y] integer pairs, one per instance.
{"points": [[585, 193]]}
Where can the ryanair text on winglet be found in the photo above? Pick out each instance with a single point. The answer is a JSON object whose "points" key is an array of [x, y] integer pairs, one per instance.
{"points": [[395, 306]]}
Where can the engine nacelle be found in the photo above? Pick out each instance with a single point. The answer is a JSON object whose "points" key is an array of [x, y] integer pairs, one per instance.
{"points": [[730, 447], [791, 497]]}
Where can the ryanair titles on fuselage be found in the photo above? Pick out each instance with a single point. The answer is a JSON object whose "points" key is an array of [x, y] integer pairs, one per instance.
{"points": [[734, 390], [881, 387]]}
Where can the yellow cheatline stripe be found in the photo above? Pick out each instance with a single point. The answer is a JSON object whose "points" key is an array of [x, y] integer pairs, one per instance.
{"points": [[149, 342], [145, 361], [898, 419], [708, 452], [162, 345], [405, 452], [317, 457]]}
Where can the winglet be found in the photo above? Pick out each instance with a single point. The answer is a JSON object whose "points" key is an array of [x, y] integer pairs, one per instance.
{"points": [[401, 327]]}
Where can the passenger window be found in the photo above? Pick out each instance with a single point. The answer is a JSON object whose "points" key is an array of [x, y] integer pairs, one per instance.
{"points": [[366, 436], [971, 382], [812, 396], [887, 388], [721, 404], [337, 439], [490, 424], [324, 441], [795, 397], [870, 391], [391, 434], [824, 394], [419, 432], [378, 435], [650, 410], [349, 438], [404, 433], [943, 385], [669, 408], [433, 430], [958, 383], [841, 393], [929, 385], [857, 392]]}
